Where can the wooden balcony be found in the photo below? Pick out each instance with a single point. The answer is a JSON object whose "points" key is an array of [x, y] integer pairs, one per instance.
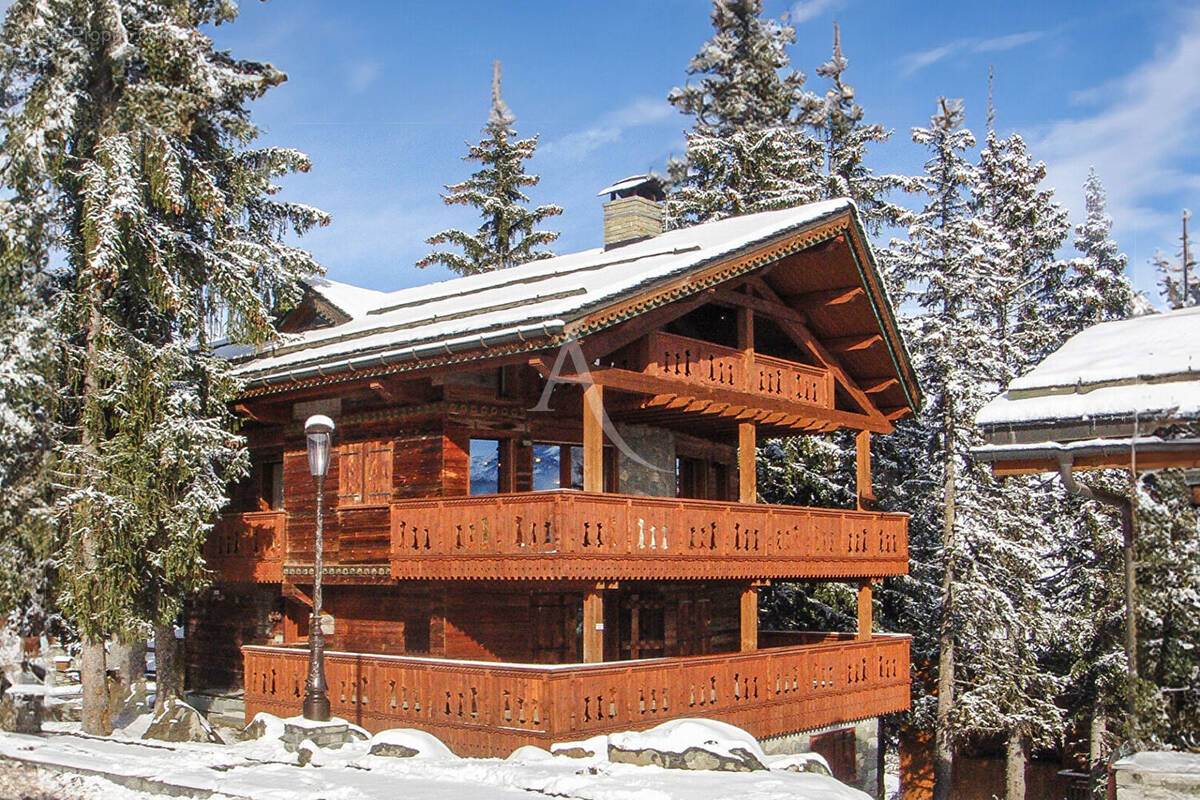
{"points": [[489, 709], [666, 355], [588, 536], [247, 548]]}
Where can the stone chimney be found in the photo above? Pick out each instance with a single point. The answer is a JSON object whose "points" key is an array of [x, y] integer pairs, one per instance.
{"points": [[633, 211]]}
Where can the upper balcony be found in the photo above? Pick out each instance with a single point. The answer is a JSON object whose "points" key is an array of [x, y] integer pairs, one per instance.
{"points": [[247, 547], [589, 536]]}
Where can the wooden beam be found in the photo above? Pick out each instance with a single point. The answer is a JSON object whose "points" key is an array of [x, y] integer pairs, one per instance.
{"points": [[747, 470], [892, 414], [854, 344], [749, 614], [614, 338], [864, 610], [768, 308], [803, 337], [593, 438], [862, 462], [829, 299], [879, 385], [593, 625], [291, 591], [640, 383]]}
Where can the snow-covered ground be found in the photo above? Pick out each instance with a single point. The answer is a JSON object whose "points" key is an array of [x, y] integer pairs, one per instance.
{"points": [[76, 766]]}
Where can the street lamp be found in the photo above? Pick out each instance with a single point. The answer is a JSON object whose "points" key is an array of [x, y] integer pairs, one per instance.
{"points": [[319, 430]]}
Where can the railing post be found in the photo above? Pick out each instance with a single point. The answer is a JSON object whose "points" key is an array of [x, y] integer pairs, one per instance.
{"points": [[864, 610], [747, 470], [593, 625], [749, 618], [593, 438]]}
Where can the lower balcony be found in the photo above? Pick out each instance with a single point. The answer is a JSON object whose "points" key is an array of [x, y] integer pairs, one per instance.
{"points": [[799, 682], [247, 548]]}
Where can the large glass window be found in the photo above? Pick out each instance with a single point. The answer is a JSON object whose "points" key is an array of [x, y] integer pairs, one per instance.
{"points": [[485, 466], [557, 466]]}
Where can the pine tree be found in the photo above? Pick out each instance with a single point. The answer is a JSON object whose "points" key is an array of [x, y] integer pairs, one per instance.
{"points": [[507, 236], [748, 150], [1096, 289], [1178, 281], [839, 121], [127, 151], [938, 269]]}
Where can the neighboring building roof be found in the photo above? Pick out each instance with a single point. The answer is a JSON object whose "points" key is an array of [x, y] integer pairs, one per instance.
{"points": [[1148, 366], [540, 303], [1110, 390]]}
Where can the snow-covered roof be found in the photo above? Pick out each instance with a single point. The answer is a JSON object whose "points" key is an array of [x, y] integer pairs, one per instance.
{"points": [[534, 302], [1147, 366]]}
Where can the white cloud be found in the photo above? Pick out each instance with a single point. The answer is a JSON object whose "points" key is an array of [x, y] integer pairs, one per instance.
{"points": [[1139, 141], [923, 58], [804, 10], [362, 75], [608, 128]]}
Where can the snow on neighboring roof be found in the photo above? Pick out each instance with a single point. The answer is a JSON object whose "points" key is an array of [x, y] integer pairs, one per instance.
{"points": [[354, 301], [533, 300], [1146, 347], [1161, 761], [1147, 366]]}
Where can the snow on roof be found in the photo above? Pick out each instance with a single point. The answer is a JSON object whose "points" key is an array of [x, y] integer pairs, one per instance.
{"points": [[1147, 366], [534, 300], [354, 301]]}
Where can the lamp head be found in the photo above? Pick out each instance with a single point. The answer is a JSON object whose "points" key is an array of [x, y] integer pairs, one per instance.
{"points": [[319, 429]]}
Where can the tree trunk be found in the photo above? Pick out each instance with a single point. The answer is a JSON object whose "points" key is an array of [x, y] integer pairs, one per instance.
{"points": [[96, 719], [1096, 754], [1014, 771], [168, 666], [943, 758]]}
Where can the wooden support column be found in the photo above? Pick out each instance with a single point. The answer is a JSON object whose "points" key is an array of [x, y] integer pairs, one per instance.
{"points": [[593, 439], [749, 619], [745, 343], [747, 473], [864, 610], [862, 458], [593, 625]]}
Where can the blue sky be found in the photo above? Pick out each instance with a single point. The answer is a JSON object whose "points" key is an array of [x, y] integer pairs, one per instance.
{"points": [[383, 96]]}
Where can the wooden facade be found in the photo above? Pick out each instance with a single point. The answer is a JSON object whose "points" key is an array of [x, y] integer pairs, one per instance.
{"points": [[522, 548]]}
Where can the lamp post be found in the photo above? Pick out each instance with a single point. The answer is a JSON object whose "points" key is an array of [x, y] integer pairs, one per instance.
{"points": [[319, 430]]}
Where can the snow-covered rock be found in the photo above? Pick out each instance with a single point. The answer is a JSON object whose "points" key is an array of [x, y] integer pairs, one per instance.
{"points": [[179, 722], [801, 762], [529, 753], [408, 743], [596, 746], [695, 744], [263, 726]]}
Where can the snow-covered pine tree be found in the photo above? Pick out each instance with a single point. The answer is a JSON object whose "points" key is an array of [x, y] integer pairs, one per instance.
{"points": [[937, 271], [1022, 228], [838, 119], [748, 149], [507, 236], [127, 153], [26, 540], [1096, 288]]}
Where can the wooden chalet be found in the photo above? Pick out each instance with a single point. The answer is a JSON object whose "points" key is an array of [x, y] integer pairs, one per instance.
{"points": [[502, 569]]}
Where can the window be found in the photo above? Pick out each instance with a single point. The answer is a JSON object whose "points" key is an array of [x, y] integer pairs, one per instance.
{"points": [[365, 473], [271, 493], [557, 466], [485, 466]]}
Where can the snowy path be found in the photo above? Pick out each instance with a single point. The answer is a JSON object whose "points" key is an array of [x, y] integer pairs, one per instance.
{"points": [[263, 771]]}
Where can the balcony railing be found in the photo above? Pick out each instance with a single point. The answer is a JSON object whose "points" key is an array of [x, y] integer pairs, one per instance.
{"points": [[489, 709], [581, 535], [247, 547], [682, 358]]}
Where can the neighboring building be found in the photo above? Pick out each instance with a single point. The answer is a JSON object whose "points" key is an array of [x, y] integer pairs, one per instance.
{"points": [[500, 573], [1114, 395]]}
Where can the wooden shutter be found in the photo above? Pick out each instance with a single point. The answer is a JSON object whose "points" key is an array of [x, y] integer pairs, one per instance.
{"points": [[350, 474], [377, 472]]}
